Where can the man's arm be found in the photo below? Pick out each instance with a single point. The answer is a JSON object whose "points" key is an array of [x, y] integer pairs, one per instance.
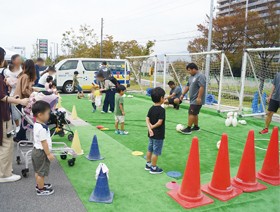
{"points": [[184, 92], [200, 94], [47, 150], [171, 96]]}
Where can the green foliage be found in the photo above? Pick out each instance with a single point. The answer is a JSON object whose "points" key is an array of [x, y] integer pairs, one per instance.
{"points": [[84, 43]]}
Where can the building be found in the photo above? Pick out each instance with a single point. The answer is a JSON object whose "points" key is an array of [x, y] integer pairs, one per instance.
{"points": [[226, 7]]}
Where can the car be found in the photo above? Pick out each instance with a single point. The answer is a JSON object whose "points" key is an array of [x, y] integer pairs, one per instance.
{"points": [[87, 68]]}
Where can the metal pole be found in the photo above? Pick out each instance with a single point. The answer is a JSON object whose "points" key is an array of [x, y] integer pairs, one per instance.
{"points": [[164, 72], [244, 62], [155, 72], [101, 43], [207, 66], [245, 28]]}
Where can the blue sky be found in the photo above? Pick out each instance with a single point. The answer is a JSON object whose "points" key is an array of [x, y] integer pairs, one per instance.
{"points": [[171, 23]]}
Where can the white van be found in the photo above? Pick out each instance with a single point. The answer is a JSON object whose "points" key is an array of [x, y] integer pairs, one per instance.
{"points": [[87, 68]]}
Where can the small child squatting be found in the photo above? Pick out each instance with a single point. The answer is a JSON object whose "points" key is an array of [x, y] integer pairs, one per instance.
{"points": [[155, 121], [119, 113], [41, 154]]}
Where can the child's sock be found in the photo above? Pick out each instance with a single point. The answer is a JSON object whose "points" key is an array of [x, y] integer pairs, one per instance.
{"points": [[195, 125], [153, 167], [148, 163], [189, 127]]}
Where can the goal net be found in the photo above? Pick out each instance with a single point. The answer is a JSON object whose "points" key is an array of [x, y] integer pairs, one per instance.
{"points": [[222, 87], [146, 71], [259, 68]]}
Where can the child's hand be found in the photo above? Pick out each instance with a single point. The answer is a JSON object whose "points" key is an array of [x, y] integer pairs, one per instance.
{"points": [[50, 157], [151, 132], [123, 113]]}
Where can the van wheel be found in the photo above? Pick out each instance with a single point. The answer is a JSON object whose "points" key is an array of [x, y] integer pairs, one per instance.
{"points": [[67, 87]]}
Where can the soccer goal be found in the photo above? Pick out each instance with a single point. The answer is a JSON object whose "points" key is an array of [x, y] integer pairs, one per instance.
{"points": [[222, 87], [146, 70], [259, 67]]}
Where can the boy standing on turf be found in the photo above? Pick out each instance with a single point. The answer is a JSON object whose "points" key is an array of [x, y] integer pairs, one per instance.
{"points": [[196, 87], [76, 85], [119, 113], [41, 154], [155, 121]]}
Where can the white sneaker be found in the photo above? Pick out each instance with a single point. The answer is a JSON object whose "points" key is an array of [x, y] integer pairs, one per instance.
{"points": [[13, 178], [103, 111], [110, 111], [17, 129]]}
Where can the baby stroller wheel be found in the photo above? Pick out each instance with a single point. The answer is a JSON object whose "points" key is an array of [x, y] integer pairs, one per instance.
{"points": [[71, 162], [70, 137], [63, 157], [18, 160], [24, 172], [61, 133]]}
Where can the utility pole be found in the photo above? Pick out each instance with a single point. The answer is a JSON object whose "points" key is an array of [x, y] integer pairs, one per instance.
{"points": [[101, 43], [207, 65]]}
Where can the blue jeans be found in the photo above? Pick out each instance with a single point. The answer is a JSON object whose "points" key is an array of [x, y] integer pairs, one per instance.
{"points": [[155, 146], [109, 100]]}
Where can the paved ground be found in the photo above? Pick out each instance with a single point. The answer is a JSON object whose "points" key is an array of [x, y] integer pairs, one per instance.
{"points": [[21, 196]]}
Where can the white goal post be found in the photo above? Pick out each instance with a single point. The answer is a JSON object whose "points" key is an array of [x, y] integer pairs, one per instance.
{"points": [[222, 86], [259, 67]]}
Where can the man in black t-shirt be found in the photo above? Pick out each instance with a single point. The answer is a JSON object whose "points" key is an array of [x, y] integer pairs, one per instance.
{"points": [[156, 126]]}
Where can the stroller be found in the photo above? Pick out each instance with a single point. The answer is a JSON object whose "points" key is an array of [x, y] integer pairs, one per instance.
{"points": [[24, 148], [57, 119]]}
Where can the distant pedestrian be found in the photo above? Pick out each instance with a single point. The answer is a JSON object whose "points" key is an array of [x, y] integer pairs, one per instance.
{"points": [[40, 62]]}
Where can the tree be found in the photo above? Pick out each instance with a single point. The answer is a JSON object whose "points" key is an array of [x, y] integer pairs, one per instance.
{"points": [[228, 34], [84, 43]]}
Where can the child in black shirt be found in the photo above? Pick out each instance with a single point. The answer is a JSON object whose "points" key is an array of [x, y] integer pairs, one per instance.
{"points": [[155, 121]]}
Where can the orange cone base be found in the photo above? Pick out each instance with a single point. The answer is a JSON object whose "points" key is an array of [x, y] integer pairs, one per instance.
{"points": [[223, 195], [247, 187], [189, 202], [273, 180]]}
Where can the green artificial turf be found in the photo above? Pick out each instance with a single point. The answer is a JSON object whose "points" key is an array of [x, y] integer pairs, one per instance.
{"points": [[137, 190]]}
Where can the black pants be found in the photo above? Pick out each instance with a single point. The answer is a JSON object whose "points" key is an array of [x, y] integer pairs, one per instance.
{"points": [[93, 105], [21, 135], [109, 100]]}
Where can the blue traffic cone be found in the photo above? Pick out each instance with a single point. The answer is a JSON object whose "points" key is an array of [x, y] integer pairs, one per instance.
{"points": [[94, 153], [102, 191]]}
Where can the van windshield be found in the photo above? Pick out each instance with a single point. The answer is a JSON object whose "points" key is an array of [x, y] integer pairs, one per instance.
{"points": [[96, 65]]}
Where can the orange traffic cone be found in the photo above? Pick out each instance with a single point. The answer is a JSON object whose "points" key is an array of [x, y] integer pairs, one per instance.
{"points": [[270, 169], [220, 186], [246, 176], [189, 195]]}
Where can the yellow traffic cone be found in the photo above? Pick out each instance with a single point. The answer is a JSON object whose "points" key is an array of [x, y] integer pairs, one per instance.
{"points": [[74, 113], [76, 145], [59, 102]]}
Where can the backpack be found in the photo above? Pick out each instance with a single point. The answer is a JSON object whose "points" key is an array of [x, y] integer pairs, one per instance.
{"points": [[114, 81]]}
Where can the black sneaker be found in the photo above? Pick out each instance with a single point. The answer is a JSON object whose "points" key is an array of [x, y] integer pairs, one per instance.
{"points": [[46, 186], [148, 167], [176, 107], [186, 131], [155, 170], [195, 128], [45, 192]]}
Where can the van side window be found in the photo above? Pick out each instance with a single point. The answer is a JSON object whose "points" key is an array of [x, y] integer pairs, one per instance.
{"points": [[91, 65], [68, 65]]}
